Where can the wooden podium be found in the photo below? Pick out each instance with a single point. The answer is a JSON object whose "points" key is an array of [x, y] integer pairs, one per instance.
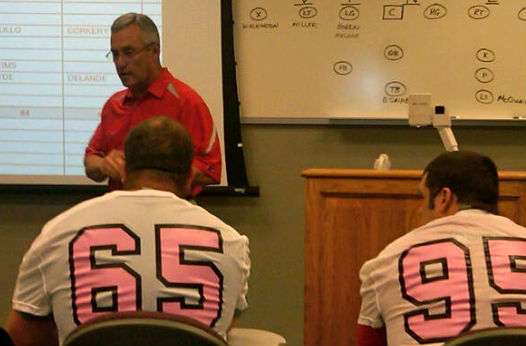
{"points": [[350, 216]]}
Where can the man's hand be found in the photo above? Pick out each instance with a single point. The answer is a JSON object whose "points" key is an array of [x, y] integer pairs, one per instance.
{"points": [[113, 165], [100, 168]]}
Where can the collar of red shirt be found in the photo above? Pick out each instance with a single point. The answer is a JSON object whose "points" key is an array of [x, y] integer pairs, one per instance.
{"points": [[156, 89]]}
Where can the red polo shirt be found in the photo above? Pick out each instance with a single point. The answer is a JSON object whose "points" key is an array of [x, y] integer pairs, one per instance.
{"points": [[169, 97]]}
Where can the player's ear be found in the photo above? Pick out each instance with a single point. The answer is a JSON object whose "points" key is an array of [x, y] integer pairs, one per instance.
{"points": [[124, 176], [190, 181], [446, 201]]}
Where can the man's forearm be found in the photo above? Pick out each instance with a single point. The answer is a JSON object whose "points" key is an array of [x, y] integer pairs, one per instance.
{"points": [[368, 336], [25, 329], [201, 179], [93, 167]]}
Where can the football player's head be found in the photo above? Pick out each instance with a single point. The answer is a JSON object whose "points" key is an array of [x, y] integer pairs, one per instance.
{"points": [[459, 180], [162, 147]]}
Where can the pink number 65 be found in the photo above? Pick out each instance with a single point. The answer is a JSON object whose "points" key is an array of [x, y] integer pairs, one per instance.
{"points": [[102, 282], [437, 275]]}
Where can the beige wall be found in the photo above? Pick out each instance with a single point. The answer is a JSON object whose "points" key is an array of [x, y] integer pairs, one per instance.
{"points": [[275, 156]]}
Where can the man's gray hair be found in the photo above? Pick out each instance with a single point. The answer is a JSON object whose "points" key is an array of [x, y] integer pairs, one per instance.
{"points": [[148, 27]]}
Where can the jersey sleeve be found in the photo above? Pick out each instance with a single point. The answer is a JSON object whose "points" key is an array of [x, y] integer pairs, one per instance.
{"points": [[370, 314], [30, 295], [242, 303]]}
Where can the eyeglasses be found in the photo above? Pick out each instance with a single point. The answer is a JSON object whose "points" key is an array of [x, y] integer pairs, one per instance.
{"points": [[127, 53]]}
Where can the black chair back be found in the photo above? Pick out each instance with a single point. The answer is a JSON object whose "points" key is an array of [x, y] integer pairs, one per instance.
{"points": [[143, 328], [5, 339], [503, 336]]}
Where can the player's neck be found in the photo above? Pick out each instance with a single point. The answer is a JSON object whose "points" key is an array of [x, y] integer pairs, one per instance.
{"points": [[143, 181]]}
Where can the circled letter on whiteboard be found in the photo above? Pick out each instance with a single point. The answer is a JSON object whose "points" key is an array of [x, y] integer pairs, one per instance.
{"points": [[484, 75], [393, 52], [258, 13], [478, 12], [435, 11], [342, 67], [349, 13], [395, 88], [308, 12], [484, 96], [485, 55]]}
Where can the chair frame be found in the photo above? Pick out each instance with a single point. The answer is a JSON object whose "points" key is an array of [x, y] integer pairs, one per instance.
{"points": [[143, 328], [509, 336]]}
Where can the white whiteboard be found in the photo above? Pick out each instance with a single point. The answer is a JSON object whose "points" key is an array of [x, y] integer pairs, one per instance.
{"points": [[362, 59]]}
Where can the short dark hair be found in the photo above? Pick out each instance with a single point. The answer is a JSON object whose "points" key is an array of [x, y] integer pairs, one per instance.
{"points": [[161, 144], [472, 177]]}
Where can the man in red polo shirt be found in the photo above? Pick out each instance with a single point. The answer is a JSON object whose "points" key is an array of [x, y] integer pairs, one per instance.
{"points": [[151, 91]]}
